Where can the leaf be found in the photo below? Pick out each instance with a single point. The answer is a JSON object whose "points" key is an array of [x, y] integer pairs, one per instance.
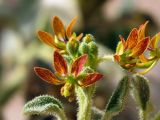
{"points": [[141, 91], [117, 100], [44, 104]]}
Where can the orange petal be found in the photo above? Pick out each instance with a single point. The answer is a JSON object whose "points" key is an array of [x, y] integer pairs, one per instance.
{"points": [[47, 76], [132, 39], [46, 38], [58, 27], [70, 27], [140, 47], [78, 64], [123, 41], [143, 58], [141, 31], [154, 40], [60, 64], [79, 37], [90, 79], [117, 58]]}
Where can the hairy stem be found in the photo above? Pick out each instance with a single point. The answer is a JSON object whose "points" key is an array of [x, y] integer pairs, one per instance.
{"points": [[84, 97], [61, 115]]}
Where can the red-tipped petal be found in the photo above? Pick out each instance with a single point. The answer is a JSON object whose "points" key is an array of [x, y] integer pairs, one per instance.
{"points": [[141, 31], [58, 27], [47, 76], [70, 27], [78, 64], [132, 39], [46, 38], [140, 47], [60, 64], [90, 79]]}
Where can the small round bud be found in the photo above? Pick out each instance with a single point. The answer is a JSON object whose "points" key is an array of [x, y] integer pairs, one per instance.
{"points": [[88, 38], [84, 48], [93, 48], [72, 47]]}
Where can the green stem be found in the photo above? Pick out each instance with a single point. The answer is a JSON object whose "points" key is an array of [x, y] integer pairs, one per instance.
{"points": [[84, 97], [106, 58]]}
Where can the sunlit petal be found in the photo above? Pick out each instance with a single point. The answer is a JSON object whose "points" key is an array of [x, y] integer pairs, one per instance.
{"points": [[70, 27], [47, 76], [123, 41], [79, 37], [140, 47], [60, 64], [78, 64], [58, 28], [90, 79], [132, 39], [154, 41], [46, 38], [141, 31]]}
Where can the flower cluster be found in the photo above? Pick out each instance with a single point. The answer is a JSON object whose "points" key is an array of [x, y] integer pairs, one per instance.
{"points": [[73, 59], [131, 53]]}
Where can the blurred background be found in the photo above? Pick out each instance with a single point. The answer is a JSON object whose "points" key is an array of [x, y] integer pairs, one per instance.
{"points": [[20, 49]]}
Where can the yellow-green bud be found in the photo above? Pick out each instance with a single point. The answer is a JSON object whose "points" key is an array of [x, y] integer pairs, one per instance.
{"points": [[84, 48], [93, 48], [72, 47], [88, 38]]}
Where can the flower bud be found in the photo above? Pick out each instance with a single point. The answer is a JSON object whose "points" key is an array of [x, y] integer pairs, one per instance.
{"points": [[72, 47], [88, 38], [84, 48], [93, 48]]}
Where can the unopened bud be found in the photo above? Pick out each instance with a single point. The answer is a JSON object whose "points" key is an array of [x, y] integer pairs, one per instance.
{"points": [[84, 48], [72, 46], [93, 48], [88, 38]]}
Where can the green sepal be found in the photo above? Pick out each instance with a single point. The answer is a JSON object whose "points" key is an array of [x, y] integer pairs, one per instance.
{"points": [[44, 105], [117, 100]]}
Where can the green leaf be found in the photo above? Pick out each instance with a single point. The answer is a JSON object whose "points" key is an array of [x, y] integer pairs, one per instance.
{"points": [[141, 90], [141, 93], [45, 105], [117, 100]]}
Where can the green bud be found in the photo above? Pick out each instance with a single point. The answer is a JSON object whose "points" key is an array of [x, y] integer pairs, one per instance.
{"points": [[84, 48], [72, 47], [93, 48], [59, 43], [88, 38]]}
